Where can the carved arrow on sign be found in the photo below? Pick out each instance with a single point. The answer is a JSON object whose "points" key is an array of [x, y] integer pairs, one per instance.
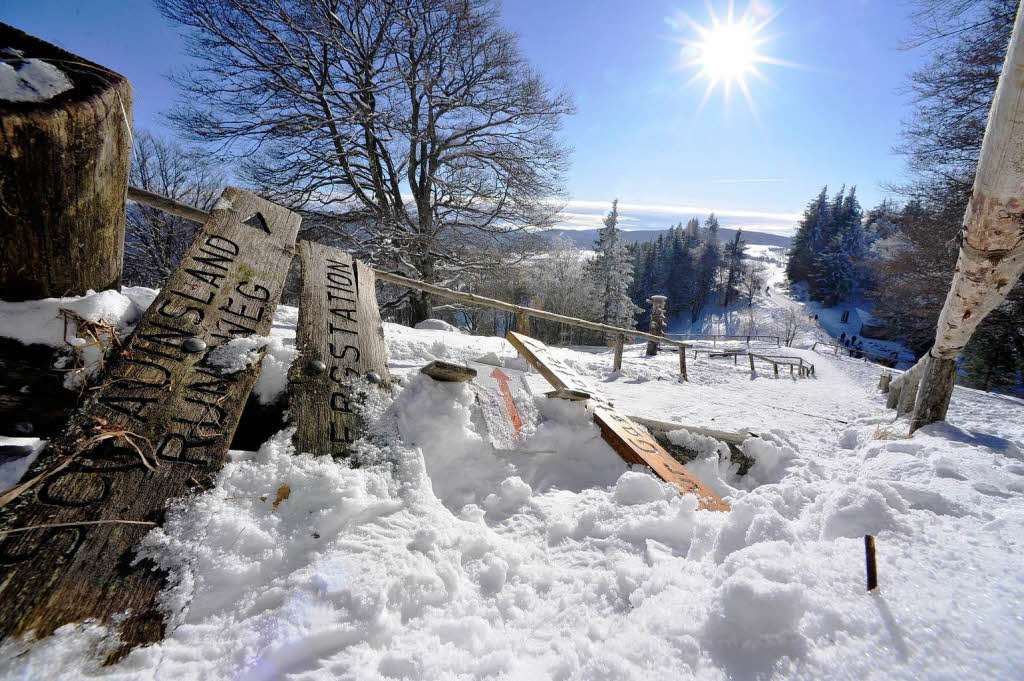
{"points": [[510, 403]]}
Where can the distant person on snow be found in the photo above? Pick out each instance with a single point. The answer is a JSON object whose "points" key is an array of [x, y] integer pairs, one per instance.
{"points": [[842, 337], [767, 290], [854, 340]]}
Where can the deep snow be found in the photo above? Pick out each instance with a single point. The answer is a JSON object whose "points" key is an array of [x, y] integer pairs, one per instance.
{"points": [[441, 556]]}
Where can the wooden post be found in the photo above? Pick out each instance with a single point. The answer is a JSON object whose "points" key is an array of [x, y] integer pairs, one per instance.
{"points": [[657, 322], [682, 363], [157, 427], [775, 365], [523, 323], [64, 162], [752, 370], [619, 342], [791, 370], [735, 359], [991, 257], [883, 381]]}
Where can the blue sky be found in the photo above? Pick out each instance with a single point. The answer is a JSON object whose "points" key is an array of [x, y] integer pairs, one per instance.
{"points": [[638, 134]]}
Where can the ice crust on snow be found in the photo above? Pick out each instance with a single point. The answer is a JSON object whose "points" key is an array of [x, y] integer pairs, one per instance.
{"points": [[433, 555]]}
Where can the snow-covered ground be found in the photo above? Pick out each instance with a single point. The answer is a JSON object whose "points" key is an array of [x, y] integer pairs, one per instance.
{"points": [[441, 556]]}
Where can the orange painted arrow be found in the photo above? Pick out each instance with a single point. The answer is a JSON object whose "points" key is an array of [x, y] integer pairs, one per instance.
{"points": [[510, 404]]}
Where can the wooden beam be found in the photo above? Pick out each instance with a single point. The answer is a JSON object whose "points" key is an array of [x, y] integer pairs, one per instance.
{"points": [[619, 342], [158, 426], [168, 205], [340, 339]]}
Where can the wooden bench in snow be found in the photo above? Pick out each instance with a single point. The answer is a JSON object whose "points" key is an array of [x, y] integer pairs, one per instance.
{"points": [[630, 440], [340, 339], [157, 426]]}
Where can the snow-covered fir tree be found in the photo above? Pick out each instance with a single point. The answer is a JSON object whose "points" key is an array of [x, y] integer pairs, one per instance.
{"points": [[612, 273]]}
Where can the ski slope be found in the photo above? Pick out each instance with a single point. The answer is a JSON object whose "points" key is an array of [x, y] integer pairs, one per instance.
{"points": [[447, 550]]}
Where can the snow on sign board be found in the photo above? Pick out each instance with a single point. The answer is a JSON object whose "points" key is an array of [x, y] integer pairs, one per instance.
{"points": [[629, 439], [158, 425], [340, 339]]}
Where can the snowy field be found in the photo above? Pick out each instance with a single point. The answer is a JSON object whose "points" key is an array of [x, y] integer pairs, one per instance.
{"points": [[441, 556]]}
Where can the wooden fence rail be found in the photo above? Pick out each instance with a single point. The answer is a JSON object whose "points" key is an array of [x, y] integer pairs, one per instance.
{"points": [[714, 337]]}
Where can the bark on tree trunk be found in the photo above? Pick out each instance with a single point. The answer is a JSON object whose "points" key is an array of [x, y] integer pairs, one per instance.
{"points": [[64, 163], [991, 255]]}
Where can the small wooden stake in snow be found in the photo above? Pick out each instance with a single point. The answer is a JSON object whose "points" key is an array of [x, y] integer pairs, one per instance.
{"points": [[869, 555]]}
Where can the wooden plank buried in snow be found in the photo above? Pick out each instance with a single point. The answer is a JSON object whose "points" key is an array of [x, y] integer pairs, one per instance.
{"points": [[629, 439], [340, 339], [158, 425], [635, 445]]}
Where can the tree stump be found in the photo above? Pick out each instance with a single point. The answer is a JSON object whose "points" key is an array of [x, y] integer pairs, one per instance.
{"points": [[64, 159]]}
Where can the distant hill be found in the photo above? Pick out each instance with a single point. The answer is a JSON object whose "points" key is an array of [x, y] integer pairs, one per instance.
{"points": [[584, 238]]}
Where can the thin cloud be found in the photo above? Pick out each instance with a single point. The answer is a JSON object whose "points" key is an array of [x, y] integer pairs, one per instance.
{"points": [[680, 211], [766, 180]]}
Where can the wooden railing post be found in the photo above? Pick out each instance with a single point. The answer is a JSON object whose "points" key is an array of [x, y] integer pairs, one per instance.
{"points": [[64, 161], [752, 370], [682, 363], [619, 342]]}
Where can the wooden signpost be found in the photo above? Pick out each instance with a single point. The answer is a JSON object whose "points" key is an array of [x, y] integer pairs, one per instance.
{"points": [[158, 425], [340, 340], [629, 439]]}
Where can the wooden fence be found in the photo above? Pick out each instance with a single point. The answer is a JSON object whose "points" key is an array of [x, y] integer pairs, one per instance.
{"points": [[796, 364]]}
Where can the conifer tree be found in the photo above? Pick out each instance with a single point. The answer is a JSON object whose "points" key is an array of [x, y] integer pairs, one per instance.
{"points": [[612, 272]]}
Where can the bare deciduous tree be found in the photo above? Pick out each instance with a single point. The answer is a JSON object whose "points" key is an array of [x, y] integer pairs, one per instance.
{"points": [[155, 240], [419, 120]]}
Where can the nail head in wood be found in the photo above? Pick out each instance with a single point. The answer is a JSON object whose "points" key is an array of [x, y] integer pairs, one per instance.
{"points": [[315, 367], [194, 345]]}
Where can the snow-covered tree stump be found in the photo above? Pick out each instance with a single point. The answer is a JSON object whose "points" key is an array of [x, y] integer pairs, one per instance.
{"points": [[991, 257], [65, 149]]}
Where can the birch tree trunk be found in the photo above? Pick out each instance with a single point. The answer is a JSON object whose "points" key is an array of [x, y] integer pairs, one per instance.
{"points": [[991, 256]]}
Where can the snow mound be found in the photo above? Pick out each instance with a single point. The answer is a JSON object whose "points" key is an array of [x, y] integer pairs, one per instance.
{"points": [[437, 325]]}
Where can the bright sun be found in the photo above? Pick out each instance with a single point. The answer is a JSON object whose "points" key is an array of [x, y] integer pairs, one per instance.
{"points": [[726, 52]]}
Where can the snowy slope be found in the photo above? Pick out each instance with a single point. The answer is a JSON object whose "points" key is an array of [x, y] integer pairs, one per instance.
{"points": [[442, 557]]}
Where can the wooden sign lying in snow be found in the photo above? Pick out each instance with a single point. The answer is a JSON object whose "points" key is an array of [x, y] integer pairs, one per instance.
{"points": [[340, 339], [505, 403], [159, 423], [563, 379], [630, 440]]}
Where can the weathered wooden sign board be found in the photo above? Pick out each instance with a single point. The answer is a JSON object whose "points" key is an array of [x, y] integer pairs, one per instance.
{"points": [[562, 378], [159, 424], [630, 440], [340, 340], [636, 446]]}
